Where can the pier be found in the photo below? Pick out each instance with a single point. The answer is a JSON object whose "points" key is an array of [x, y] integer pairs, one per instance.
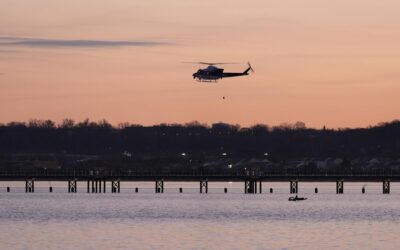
{"points": [[97, 183]]}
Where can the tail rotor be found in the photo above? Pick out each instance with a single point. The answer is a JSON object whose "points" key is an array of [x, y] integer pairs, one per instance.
{"points": [[251, 68]]}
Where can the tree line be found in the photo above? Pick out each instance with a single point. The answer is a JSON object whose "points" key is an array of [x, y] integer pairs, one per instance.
{"points": [[287, 140], [176, 143]]}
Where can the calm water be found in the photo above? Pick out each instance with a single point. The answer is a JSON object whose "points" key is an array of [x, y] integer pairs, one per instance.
{"points": [[200, 221]]}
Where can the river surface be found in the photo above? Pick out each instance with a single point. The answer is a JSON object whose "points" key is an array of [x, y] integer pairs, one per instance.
{"points": [[190, 220]]}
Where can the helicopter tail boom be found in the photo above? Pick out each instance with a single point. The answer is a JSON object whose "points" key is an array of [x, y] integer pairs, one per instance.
{"points": [[245, 73]]}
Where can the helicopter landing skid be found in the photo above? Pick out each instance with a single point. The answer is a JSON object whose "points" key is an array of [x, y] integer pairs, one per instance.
{"points": [[209, 81]]}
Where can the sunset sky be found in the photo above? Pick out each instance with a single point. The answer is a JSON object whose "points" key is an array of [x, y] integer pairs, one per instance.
{"points": [[323, 62]]}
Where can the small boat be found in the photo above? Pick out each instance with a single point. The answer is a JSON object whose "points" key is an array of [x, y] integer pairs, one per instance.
{"points": [[297, 198]]}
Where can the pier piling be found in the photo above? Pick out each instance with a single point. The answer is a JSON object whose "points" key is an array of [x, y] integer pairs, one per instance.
{"points": [[250, 186], [72, 186], [204, 184], [339, 186], [93, 189], [29, 186], [115, 186], [159, 186], [294, 186], [386, 186]]}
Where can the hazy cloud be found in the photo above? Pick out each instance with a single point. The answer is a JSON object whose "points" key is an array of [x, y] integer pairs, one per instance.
{"points": [[80, 43], [8, 51]]}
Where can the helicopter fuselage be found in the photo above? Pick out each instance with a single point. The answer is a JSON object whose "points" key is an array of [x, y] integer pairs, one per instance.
{"points": [[209, 73], [212, 73]]}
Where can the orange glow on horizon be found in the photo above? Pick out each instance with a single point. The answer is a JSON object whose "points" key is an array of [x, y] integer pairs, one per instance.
{"points": [[332, 63]]}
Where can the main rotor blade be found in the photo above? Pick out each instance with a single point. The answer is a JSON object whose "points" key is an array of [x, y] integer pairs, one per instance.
{"points": [[206, 63], [219, 63]]}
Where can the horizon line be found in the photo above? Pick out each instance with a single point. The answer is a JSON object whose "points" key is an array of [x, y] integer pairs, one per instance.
{"points": [[103, 121]]}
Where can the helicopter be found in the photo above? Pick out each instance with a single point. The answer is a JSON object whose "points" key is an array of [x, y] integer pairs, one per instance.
{"points": [[213, 73]]}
